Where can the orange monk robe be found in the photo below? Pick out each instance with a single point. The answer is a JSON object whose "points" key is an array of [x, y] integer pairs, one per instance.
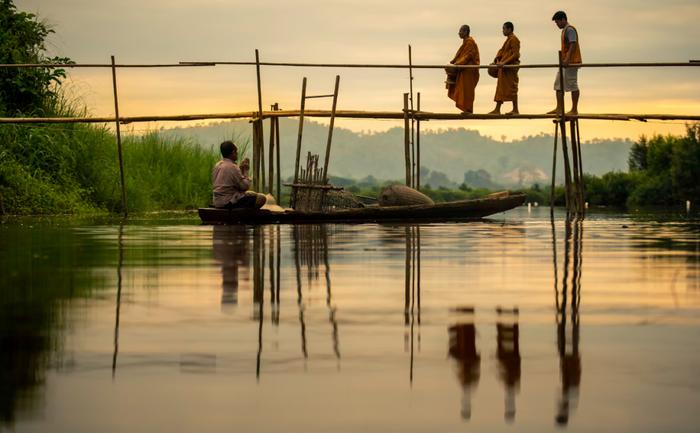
{"points": [[509, 54], [462, 91]]}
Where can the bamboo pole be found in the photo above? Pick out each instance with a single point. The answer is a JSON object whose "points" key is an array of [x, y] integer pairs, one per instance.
{"points": [[406, 139], [417, 164], [277, 155], [567, 168], [561, 103], [299, 135], [576, 174], [347, 114], [330, 129], [189, 64], [412, 136], [260, 168], [256, 155], [271, 166], [580, 168], [554, 169], [119, 139], [431, 66]]}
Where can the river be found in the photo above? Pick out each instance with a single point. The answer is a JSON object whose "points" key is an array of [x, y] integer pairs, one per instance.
{"points": [[512, 323]]}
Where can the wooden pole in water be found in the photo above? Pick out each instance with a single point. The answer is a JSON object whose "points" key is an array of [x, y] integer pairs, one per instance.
{"points": [[554, 169], [406, 140], [260, 168], [271, 165], [412, 138], [119, 139], [277, 155], [576, 175], [330, 130], [567, 167], [301, 130], [561, 103], [256, 155], [417, 163], [582, 185]]}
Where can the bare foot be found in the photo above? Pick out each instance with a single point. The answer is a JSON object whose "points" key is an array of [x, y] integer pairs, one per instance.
{"points": [[510, 113], [467, 112], [555, 111], [572, 113], [494, 111]]}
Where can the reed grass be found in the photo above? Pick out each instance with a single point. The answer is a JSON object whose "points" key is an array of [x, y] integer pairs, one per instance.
{"points": [[59, 169]]}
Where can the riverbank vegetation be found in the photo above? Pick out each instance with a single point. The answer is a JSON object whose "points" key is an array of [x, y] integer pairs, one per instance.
{"points": [[72, 168]]}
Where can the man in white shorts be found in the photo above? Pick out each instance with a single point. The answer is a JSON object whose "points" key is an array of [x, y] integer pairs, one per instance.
{"points": [[571, 55]]}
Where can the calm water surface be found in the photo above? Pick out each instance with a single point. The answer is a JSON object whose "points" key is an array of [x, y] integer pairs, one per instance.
{"points": [[508, 324]]}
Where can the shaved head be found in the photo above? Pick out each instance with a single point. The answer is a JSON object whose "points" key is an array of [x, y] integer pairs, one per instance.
{"points": [[464, 31]]}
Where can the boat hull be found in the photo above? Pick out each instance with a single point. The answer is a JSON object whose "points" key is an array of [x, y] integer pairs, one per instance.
{"points": [[450, 211]]}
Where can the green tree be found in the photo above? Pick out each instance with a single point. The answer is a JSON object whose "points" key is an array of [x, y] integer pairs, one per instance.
{"points": [[685, 166], [637, 160], [26, 91]]}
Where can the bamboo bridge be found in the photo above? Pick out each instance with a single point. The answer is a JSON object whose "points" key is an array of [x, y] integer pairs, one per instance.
{"points": [[410, 114]]}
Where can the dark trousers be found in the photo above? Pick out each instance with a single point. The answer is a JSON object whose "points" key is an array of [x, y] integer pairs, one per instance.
{"points": [[245, 202]]}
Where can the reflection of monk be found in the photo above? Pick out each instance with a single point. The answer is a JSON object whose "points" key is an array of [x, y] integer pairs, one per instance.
{"points": [[508, 354], [231, 249], [462, 89], [463, 350]]}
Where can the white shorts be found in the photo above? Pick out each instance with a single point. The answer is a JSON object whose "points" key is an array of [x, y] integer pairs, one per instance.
{"points": [[570, 80]]}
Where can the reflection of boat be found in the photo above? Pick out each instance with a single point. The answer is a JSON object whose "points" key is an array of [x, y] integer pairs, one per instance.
{"points": [[455, 210]]}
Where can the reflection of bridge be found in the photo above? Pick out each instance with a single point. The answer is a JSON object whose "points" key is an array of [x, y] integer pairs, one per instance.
{"points": [[260, 248]]}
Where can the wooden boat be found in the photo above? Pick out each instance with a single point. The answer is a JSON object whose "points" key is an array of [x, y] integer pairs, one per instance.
{"points": [[451, 211]]}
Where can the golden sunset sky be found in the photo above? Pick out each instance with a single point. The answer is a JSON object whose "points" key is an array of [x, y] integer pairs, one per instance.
{"points": [[362, 31]]}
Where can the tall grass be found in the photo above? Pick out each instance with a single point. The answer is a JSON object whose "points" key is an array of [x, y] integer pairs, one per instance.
{"points": [[54, 168]]}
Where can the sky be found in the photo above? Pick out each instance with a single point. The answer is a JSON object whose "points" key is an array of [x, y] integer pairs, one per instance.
{"points": [[364, 31]]}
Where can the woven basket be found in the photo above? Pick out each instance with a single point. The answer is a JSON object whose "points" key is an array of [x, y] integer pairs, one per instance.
{"points": [[401, 195]]}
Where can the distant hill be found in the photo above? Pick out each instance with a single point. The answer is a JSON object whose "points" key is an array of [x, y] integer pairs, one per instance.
{"points": [[453, 151]]}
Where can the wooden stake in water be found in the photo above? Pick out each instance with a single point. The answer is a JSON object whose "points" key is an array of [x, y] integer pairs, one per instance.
{"points": [[406, 140], [417, 161], [299, 135], [554, 168], [119, 138], [260, 167]]}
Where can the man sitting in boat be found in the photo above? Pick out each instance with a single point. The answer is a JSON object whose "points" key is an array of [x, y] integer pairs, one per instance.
{"points": [[231, 182]]}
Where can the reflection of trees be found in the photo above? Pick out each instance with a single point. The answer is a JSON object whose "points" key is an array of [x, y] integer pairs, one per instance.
{"points": [[568, 318], [40, 267]]}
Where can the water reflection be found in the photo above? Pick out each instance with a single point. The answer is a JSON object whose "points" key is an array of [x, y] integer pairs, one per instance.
{"points": [[412, 280], [463, 351], [508, 355], [40, 268], [120, 265], [231, 249], [291, 303], [568, 302]]}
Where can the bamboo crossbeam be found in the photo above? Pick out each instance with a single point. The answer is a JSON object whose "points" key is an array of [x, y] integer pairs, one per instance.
{"points": [[107, 65], [348, 114], [346, 65], [441, 66]]}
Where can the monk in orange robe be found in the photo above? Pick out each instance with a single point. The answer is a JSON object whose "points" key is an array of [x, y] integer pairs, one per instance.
{"points": [[507, 86], [462, 90]]}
